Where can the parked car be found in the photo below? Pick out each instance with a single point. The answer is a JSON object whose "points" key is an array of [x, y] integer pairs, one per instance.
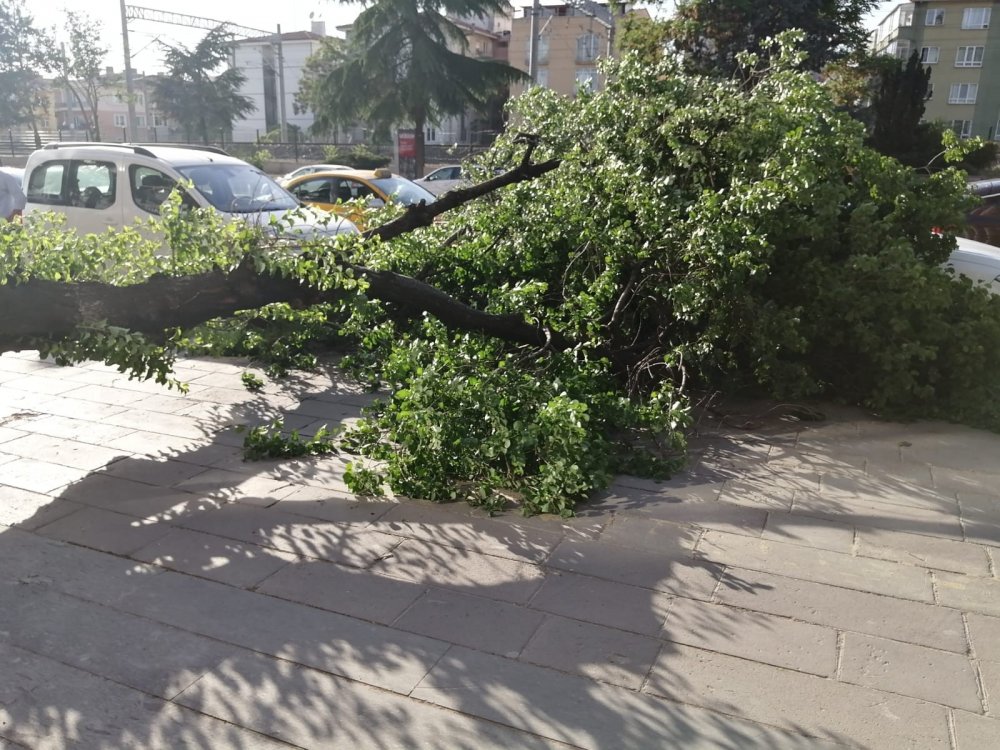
{"points": [[977, 260], [102, 185], [332, 190], [311, 169], [15, 172], [443, 179]]}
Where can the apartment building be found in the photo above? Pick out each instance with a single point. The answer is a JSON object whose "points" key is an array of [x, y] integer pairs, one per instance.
{"points": [[258, 60], [960, 41], [68, 116], [569, 41]]}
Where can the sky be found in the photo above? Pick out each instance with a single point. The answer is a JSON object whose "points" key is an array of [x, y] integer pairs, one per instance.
{"points": [[146, 37]]}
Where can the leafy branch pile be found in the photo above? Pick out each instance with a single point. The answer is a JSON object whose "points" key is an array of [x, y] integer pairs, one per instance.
{"points": [[700, 233]]}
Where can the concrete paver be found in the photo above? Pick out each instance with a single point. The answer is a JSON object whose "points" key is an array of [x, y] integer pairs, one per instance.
{"points": [[917, 671], [818, 707], [974, 732], [845, 609], [753, 635], [801, 586], [594, 651]]}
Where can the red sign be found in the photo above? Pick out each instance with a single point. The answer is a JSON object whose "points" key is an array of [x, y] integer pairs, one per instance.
{"points": [[407, 140]]}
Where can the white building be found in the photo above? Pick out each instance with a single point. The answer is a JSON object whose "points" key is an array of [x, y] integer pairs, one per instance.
{"points": [[258, 60]]}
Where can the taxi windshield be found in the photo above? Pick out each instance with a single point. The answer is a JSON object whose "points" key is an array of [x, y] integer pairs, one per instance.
{"points": [[403, 191]]}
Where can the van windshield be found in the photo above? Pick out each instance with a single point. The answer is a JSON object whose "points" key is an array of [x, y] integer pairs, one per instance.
{"points": [[238, 188]]}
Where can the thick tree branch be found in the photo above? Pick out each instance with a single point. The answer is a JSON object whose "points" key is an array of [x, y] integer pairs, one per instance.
{"points": [[40, 308], [423, 215]]}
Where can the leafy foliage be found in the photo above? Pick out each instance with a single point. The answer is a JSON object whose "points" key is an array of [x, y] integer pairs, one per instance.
{"points": [[80, 70], [400, 65], [25, 51], [471, 420], [698, 231], [711, 34], [270, 441]]}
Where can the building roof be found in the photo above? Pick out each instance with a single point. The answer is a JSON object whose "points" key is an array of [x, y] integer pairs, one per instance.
{"points": [[291, 36]]}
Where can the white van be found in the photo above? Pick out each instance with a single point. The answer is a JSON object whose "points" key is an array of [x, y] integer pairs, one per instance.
{"points": [[102, 185]]}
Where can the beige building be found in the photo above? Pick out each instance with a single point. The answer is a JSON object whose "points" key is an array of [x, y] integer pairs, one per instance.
{"points": [[570, 40], [960, 41]]}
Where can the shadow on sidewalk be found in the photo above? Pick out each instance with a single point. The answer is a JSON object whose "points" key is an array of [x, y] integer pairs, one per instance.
{"points": [[237, 595]]}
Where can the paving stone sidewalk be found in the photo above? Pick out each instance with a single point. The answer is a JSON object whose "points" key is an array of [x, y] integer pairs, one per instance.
{"points": [[800, 586]]}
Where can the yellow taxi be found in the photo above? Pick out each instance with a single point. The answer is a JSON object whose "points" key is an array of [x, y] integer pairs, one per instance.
{"points": [[332, 190]]}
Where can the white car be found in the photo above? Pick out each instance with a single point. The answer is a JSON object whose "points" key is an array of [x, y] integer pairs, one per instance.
{"points": [[310, 169], [102, 185], [443, 179], [15, 172], [977, 260]]}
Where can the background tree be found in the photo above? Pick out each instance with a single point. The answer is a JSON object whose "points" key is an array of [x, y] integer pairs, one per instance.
{"points": [[711, 33], [25, 52], [648, 37], [80, 67], [898, 103], [399, 67], [204, 104]]}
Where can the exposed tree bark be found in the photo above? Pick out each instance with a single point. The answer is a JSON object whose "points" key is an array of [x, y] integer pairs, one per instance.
{"points": [[40, 308]]}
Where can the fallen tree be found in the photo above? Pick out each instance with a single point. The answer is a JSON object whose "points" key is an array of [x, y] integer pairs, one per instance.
{"points": [[697, 234]]}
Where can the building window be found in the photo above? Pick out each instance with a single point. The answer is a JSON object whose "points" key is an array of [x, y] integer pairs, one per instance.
{"points": [[963, 93], [120, 121], [906, 18], [900, 49], [140, 121], [934, 17], [930, 55], [586, 79], [542, 50], [586, 47], [430, 135], [962, 128], [976, 18], [969, 57], [159, 121]]}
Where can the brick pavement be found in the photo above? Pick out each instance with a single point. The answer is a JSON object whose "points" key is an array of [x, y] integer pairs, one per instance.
{"points": [[800, 586]]}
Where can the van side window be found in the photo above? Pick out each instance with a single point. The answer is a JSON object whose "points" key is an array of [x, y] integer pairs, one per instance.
{"points": [[150, 188], [92, 184], [45, 184]]}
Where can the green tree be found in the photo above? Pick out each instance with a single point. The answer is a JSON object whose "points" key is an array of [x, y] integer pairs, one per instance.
{"points": [[204, 104], [80, 67], [404, 63], [648, 37], [711, 33], [25, 52], [898, 103]]}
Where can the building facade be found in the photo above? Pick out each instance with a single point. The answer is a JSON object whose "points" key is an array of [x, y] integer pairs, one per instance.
{"points": [[257, 59], [570, 39], [959, 40]]}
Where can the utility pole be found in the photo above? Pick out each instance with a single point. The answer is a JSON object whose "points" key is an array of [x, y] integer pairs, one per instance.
{"points": [[281, 89], [533, 41], [129, 89]]}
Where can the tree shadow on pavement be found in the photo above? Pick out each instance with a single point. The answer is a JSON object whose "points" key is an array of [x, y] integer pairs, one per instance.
{"points": [[184, 598]]}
